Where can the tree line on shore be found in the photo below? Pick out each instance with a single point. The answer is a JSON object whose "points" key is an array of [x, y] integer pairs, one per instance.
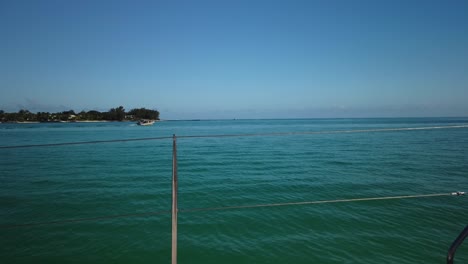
{"points": [[114, 114]]}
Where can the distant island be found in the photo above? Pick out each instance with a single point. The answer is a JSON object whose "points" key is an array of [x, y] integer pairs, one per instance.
{"points": [[114, 114]]}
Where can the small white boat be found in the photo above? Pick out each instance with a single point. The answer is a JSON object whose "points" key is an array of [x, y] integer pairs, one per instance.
{"points": [[145, 122]]}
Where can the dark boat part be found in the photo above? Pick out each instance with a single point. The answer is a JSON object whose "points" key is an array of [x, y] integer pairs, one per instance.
{"points": [[455, 245]]}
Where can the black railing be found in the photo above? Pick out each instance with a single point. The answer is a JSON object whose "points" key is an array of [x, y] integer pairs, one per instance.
{"points": [[453, 248]]}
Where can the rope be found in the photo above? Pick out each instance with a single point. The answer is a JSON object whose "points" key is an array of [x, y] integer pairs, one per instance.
{"points": [[319, 202], [239, 135], [325, 132], [82, 143], [192, 210], [65, 221]]}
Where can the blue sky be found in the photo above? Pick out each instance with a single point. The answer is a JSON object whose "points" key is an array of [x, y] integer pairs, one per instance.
{"points": [[237, 59]]}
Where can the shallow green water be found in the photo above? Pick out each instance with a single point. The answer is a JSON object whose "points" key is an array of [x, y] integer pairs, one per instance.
{"points": [[44, 184]]}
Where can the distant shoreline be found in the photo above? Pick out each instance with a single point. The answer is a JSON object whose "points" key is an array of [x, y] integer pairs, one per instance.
{"points": [[54, 122], [77, 121], [24, 116]]}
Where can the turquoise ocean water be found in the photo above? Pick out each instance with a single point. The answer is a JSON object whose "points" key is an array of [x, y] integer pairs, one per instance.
{"points": [[44, 184]]}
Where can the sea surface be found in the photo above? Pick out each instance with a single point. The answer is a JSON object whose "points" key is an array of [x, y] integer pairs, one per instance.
{"points": [[47, 186]]}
